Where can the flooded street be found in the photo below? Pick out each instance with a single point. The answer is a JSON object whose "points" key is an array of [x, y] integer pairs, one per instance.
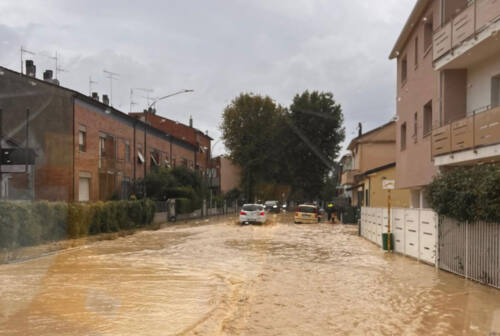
{"points": [[218, 278]]}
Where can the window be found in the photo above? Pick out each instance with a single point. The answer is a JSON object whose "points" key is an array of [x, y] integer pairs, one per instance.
{"points": [[82, 139], [140, 157], [184, 163], [428, 29], [495, 91], [428, 118], [127, 151], [102, 146], [415, 126], [404, 70], [416, 52], [403, 136]]}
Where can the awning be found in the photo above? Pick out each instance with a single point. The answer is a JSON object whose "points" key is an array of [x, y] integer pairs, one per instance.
{"points": [[140, 157], [154, 159]]}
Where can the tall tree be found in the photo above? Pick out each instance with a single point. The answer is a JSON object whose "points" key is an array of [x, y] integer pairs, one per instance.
{"points": [[250, 130], [315, 128]]}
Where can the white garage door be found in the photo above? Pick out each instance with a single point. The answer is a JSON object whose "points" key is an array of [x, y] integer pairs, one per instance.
{"points": [[84, 189]]}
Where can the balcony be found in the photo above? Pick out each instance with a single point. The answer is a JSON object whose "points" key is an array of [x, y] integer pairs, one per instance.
{"points": [[471, 133], [473, 27], [348, 177]]}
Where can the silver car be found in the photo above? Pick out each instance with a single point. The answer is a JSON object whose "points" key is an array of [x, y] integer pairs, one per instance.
{"points": [[253, 213]]}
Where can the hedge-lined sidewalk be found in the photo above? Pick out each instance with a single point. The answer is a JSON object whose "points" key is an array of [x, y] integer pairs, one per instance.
{"points": [[25, 224]]}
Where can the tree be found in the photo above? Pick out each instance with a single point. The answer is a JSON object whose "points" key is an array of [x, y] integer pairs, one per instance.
{"points": [[315, 131], [249, 130]]}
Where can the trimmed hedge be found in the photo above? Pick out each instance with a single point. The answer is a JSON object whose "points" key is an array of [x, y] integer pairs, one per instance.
{"points": [[32, 223], [467, 193], [184, 205]]}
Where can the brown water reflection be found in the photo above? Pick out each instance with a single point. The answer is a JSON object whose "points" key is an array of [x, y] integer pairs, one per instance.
{"points": [[222, 279]]}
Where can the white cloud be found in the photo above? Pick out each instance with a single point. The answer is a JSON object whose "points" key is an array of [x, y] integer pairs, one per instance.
{"points": [[218, 48]]}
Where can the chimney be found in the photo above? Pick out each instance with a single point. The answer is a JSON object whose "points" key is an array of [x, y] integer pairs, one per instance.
{"points": [[191, 121], [30, 68], [95, 96], [360, 129], [105, 99], [47, 75]]}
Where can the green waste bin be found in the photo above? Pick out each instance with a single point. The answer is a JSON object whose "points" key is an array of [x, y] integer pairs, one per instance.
{"points": [[384, 241]]}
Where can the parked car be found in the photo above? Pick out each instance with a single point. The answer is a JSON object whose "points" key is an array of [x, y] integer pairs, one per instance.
{"points": [[253, 213], [272, 206], [307, 214]]}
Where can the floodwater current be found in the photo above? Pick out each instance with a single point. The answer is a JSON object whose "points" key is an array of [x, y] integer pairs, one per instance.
{"points": [[218, 278]]}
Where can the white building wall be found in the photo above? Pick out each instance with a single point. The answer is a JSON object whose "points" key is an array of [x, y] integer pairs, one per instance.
{"points": [[479, 83]]}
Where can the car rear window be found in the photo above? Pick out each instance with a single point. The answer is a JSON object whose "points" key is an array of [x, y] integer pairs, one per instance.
{"points": [[271, 202], [307, 209], [250, 207]]}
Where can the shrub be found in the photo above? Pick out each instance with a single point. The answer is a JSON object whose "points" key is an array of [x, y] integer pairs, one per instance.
{"points": [[467, 193], [183, 205], [32, 223]]}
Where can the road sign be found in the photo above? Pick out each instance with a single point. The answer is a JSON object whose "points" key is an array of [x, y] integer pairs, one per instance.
{"points": [[388, 184]]}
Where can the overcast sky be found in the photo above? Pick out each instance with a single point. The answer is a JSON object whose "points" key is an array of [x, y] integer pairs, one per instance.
{"points": [[219, 48]]}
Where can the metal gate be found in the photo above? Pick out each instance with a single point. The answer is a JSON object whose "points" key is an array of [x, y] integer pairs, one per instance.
{"points": [[471, 250]]}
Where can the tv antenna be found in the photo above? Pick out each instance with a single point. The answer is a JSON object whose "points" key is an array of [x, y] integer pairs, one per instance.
{"points": [[112, 76], [132, 102], [25, 51], [91, 82]]}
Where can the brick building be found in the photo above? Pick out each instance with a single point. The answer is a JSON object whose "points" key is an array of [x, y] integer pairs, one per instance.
{"points": [[184, 132], [85, 150]]}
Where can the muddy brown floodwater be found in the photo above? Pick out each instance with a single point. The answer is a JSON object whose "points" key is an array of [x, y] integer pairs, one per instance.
{"points": [[218, 278]]}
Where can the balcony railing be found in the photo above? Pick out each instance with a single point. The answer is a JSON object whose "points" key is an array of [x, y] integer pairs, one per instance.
{"points": [[466, 24], [480, 129], [348, 177]]}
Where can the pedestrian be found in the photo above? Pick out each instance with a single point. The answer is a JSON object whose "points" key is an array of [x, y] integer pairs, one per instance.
{"points": [[329, 210]]}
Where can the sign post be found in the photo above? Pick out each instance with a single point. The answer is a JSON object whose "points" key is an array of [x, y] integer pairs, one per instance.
{"points": [[388, 185]]}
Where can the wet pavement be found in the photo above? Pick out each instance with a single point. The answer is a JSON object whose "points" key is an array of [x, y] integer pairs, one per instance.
{"points": [[218, 278]]}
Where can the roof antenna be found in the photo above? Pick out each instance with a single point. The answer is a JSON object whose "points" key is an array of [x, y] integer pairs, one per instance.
{"points": [[91, 82], [112, 76], [24, 51], [132, 102]]}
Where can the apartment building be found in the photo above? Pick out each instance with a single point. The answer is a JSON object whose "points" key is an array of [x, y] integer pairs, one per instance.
{"points": [[448, 66], [226, 175], [185, 133], [82, 148], [371, 154]]}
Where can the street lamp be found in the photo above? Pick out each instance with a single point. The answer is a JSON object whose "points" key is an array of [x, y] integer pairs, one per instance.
{"points": [[168, 96]]}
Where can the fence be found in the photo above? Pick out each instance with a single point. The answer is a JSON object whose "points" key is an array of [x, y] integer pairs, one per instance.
{"points": [[414, 230], [471, 250], [163, 214]]}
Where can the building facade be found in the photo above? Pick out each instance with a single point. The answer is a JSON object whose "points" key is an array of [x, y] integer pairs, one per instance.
{"points": [[371, 155], [84, 149], [448, 65]]}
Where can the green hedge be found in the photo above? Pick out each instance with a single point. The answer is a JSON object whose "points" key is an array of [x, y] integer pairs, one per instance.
{"points": [[467, 193], [184, 205], [32, 223]]}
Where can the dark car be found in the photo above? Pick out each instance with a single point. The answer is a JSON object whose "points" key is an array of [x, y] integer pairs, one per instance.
{"points": [[272, 206]]}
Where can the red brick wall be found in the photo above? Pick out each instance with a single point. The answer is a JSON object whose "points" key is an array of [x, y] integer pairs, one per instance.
{"points": [[98, 122], [182, 132]]}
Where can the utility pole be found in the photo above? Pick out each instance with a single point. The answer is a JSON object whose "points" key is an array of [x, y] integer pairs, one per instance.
{"points": [[1, 153]]}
